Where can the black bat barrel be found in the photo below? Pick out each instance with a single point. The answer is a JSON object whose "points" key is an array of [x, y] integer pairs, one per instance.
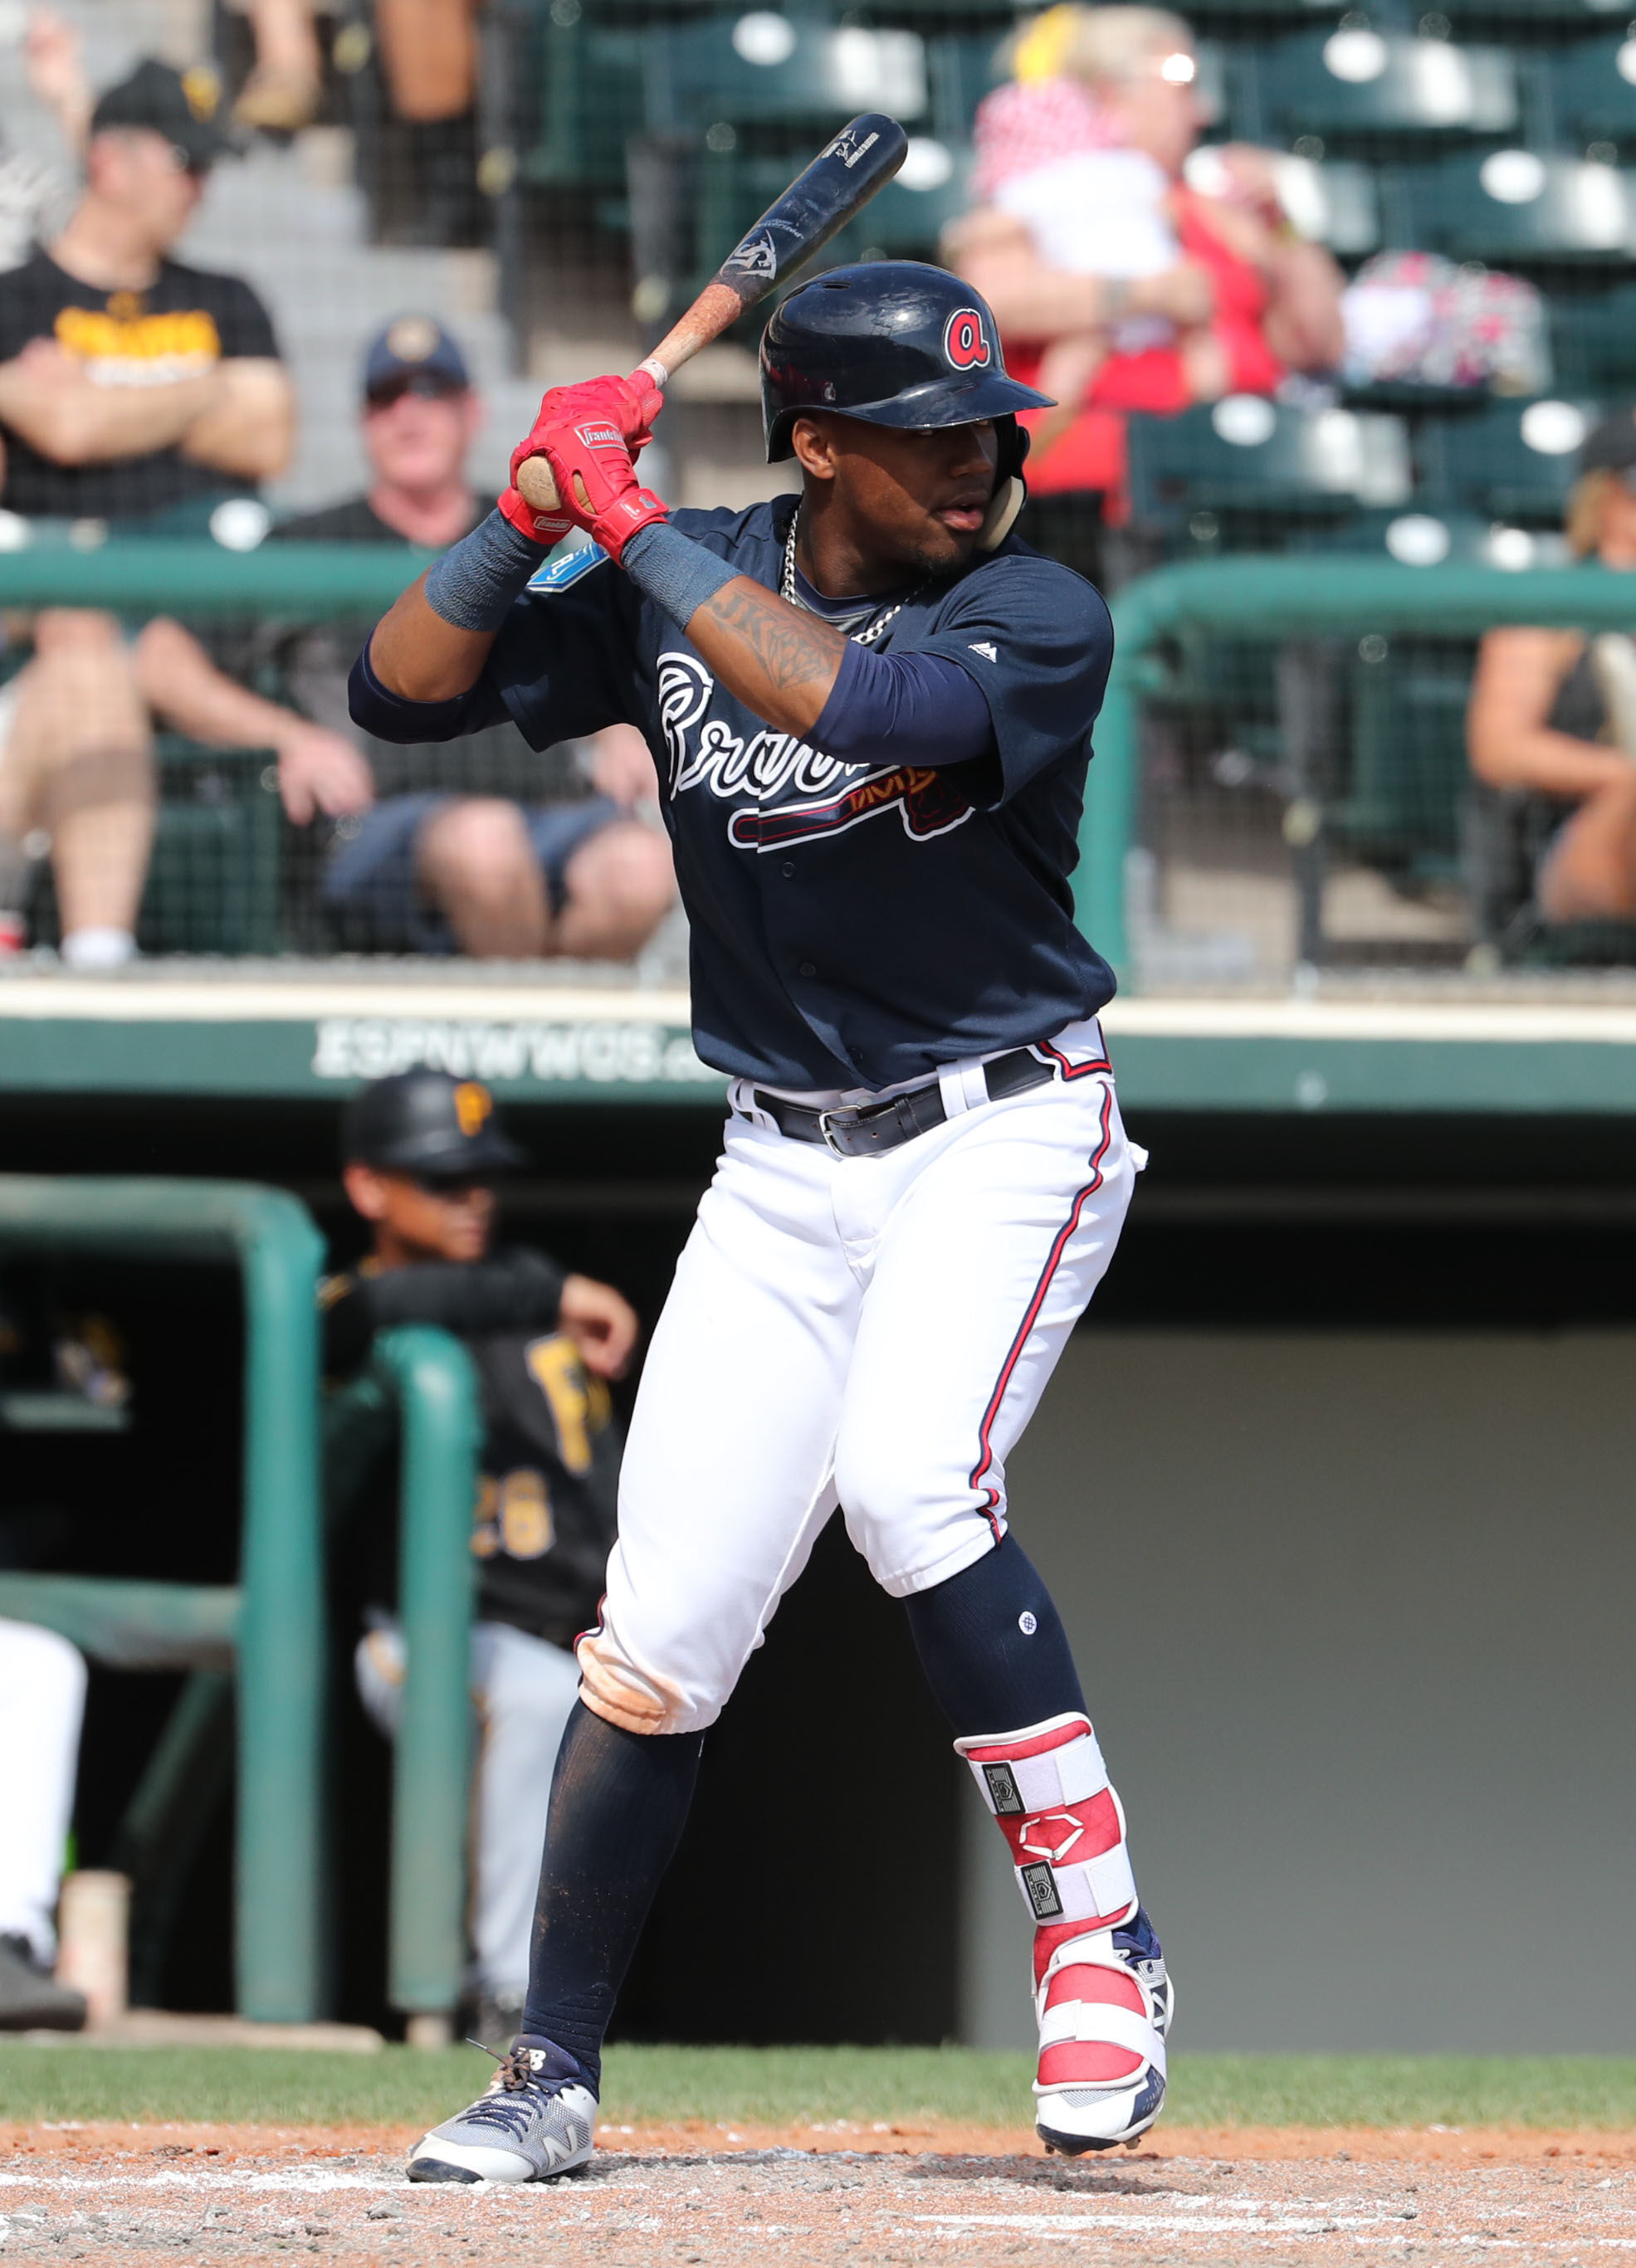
{"points": [[838, 183]]}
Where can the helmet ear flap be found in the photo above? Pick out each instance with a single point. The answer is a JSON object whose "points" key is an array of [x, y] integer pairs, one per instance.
{"points": [[1010, 490]]}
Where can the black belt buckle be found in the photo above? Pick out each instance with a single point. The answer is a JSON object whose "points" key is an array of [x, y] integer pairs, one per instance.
{"points": [[857, 1118]]}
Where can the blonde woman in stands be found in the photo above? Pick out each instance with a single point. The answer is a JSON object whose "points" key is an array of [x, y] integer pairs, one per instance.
{"points": [[1118, 284], [1554, 713]]}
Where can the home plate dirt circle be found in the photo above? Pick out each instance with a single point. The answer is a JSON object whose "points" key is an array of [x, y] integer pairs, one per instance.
{"points": [[195, 2196]]}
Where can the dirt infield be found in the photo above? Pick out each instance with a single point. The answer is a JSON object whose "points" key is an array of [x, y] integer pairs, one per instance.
{"points": [[196, 2196]]}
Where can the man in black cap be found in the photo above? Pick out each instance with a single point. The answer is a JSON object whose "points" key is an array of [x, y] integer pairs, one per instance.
{"points": [[420, 1153], [132, 387], [135, 390], [488, 849]]}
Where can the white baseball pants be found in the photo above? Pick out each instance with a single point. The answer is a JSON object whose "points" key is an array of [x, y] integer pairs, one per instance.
{"points": [[874, 1332], [523, 1689], [42, 1700]]}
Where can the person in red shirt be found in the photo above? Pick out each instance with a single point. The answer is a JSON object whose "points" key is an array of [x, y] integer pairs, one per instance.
{"points": [[1219, 297]]}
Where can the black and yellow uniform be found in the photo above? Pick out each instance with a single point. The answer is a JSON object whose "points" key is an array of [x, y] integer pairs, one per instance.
{"points": [[187, 323], [544, 1523]]}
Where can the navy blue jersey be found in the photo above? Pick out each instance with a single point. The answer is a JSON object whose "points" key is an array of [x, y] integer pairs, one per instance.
{"points": [[853, 925]]}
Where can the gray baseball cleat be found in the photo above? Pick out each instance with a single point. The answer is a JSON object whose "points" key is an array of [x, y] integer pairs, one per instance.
{"points": [[535, 2119]]}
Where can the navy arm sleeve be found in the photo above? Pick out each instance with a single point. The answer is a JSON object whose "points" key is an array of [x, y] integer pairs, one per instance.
{"points": [[919, 709], [1037, 640], [562, 666], [389, 716]]}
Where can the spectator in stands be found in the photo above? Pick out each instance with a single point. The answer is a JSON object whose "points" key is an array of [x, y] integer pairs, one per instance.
{"points": [[422, 1154], [42, 1699], [1552, 712], [429, 60], [135, 390], [283, 92], [1118, 285], [517, 861]]}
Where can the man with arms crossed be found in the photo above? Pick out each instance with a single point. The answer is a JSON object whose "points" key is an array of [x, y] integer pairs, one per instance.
{"points": [[138, 391], [871, 711]]}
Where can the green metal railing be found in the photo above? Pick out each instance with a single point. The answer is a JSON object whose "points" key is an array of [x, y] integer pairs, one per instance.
{"points": [[1290, 597], [152, 575], [427, 1378], [274, 1622]]}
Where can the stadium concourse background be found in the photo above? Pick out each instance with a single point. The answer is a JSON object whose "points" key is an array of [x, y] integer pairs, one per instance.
{"points": [[1335, 1485]]}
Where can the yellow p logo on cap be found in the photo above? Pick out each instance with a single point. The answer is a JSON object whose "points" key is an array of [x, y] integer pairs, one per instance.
{"points": [[474, 1106]]}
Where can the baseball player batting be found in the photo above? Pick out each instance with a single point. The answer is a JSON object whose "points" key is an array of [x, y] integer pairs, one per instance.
{"points": [[870, 707]]}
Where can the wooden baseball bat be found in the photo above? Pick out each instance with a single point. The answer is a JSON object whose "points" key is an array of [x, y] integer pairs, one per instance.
{"points": [[838, 183]]}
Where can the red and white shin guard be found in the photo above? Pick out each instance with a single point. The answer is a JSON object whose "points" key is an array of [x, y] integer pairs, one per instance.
{"points": [[1104, 2008]]}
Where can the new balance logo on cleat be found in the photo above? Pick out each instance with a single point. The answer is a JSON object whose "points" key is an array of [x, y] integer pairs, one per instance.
{"points": [[536, 2119]]}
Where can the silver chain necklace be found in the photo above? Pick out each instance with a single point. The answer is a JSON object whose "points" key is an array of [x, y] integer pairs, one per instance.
{"points": [[787, 592]]}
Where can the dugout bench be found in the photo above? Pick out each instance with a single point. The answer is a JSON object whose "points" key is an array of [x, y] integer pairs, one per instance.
{"points": [[267, 1633]]}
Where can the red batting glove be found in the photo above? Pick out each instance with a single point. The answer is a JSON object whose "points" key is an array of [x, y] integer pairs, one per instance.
{"points": [[629, 404], [589, 457]]}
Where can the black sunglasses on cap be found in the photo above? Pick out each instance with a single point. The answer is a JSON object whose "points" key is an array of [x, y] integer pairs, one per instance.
{"points": [[428, 385]]}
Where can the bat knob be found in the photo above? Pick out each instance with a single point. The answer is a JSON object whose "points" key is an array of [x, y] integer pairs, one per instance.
{"points": [[535, 485]]}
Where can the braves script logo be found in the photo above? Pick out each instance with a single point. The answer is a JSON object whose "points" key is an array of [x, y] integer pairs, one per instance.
{"points": [[706, 752], [964, 341]]}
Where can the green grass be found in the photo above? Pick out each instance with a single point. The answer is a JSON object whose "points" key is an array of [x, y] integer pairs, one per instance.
{"points": [[272, 2086]]}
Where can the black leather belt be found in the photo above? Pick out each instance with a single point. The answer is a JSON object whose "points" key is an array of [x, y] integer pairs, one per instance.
{"points": [[859, 1129]]}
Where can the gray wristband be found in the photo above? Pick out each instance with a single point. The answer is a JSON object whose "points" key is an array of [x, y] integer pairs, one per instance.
{"points": [[473, 586], [676, 573]]}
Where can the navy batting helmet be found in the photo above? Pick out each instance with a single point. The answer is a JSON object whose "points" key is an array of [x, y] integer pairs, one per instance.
{"points": [[893, 343]]}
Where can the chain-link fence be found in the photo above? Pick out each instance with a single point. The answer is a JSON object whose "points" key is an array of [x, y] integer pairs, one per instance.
{"points": [[1346, 286]]}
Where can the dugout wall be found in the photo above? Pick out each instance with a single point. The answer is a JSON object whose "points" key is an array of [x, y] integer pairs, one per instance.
{"points": [[1352, 1611]]}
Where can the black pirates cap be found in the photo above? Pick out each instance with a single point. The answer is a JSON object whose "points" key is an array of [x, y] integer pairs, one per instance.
{"points": [[429, 1125], [182, 106]]}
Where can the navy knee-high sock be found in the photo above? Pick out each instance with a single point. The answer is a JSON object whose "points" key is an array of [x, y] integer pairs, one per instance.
{"points": [[992, 1646], [619, 1802]]}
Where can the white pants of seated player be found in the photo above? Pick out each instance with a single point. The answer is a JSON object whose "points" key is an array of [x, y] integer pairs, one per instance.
{"points": [[522, 1690], [42, 1701], [874, 1332]]}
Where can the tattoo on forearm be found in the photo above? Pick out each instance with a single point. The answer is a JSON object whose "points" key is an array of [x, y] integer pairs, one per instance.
{"points": [[793, 650]]}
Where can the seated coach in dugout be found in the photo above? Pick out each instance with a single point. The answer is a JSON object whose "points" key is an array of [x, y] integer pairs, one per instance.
{"points": [[421, 1155], [137, 391], [485, 848]]}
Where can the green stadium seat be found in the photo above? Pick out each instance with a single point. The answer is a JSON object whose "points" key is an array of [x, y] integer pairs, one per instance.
{"points": [[1419, 537], [1263, 467], [590, 83], [905, 219], [763, 69], [214, 877], [1548, 16], [1510, 461], [1593, 340], [1514, 206], [961, 69], [1406, 785], [1360, 81], [1592, 88]]}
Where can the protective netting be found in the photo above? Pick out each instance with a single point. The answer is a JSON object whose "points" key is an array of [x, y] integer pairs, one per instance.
{"points": [[1338, 284]]}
